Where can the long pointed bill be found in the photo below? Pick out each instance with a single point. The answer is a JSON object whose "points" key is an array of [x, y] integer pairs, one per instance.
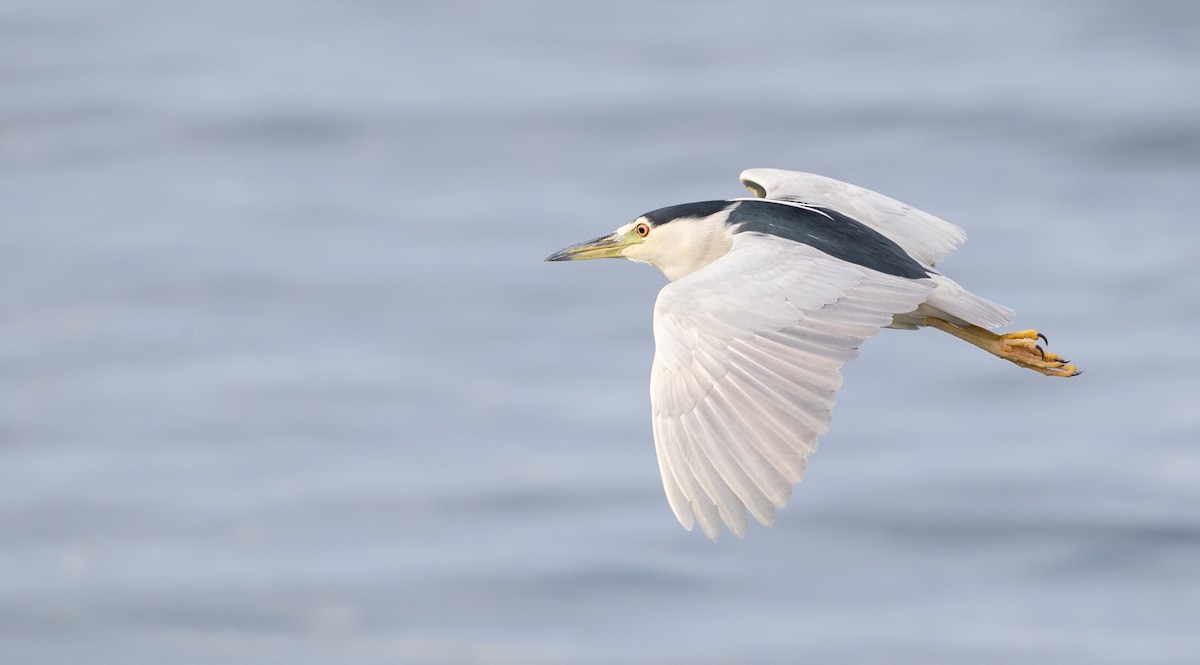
{"points": [[604, 247]]}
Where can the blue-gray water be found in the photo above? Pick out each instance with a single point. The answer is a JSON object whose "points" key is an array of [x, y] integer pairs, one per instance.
{"points": [[284, 379]]}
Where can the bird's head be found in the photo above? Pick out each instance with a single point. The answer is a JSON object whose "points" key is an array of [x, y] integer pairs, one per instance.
{"points": [[678, 240]]}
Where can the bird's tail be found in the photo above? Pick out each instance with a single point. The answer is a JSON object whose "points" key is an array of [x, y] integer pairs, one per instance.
{"points": [[957, 305]]}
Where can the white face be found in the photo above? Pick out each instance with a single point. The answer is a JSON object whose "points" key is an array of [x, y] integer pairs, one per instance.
{"points": [[678, 248]]}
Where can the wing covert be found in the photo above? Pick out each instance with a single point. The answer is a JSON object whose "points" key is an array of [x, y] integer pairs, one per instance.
{"points": [[928, 239], [746, 368]]}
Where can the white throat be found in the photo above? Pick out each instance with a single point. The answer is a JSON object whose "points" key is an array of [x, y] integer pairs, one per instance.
{"points": [[681, 247]]}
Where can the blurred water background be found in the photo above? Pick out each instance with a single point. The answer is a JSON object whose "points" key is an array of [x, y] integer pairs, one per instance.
{"points": [[284, 379]]}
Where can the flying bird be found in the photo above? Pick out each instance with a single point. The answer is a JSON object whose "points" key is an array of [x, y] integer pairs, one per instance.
{"points": [[768, 298]]}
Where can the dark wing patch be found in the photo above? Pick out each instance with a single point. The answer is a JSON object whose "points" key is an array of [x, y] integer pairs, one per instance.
{"points": [[827, 230]]}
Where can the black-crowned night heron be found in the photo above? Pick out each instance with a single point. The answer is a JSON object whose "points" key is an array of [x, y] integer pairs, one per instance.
{"points": [[768, 298]]}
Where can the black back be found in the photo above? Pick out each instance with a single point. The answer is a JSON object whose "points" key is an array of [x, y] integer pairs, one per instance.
{"points": [[827, 230]]}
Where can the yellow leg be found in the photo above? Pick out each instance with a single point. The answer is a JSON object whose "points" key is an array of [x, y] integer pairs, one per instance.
{"points": [[1020, 348]]}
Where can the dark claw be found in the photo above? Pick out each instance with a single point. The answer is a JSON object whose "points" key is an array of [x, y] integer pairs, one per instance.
{"points": [[1043, 338], [1041, 352]]}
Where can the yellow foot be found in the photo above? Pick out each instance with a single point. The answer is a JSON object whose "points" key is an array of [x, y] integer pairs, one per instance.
{"points": [[1020, 348], [1023, 349]]}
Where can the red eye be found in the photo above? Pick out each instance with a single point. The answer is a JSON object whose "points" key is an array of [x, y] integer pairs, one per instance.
{"points": [[642, 229]]}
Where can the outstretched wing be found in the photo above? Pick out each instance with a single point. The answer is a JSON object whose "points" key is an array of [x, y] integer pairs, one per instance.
{"points": [[926, 238], [746, 368]]}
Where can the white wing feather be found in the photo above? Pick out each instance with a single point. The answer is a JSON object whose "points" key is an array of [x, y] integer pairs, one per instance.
{"points": [[926, 238], [746, 367]]}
